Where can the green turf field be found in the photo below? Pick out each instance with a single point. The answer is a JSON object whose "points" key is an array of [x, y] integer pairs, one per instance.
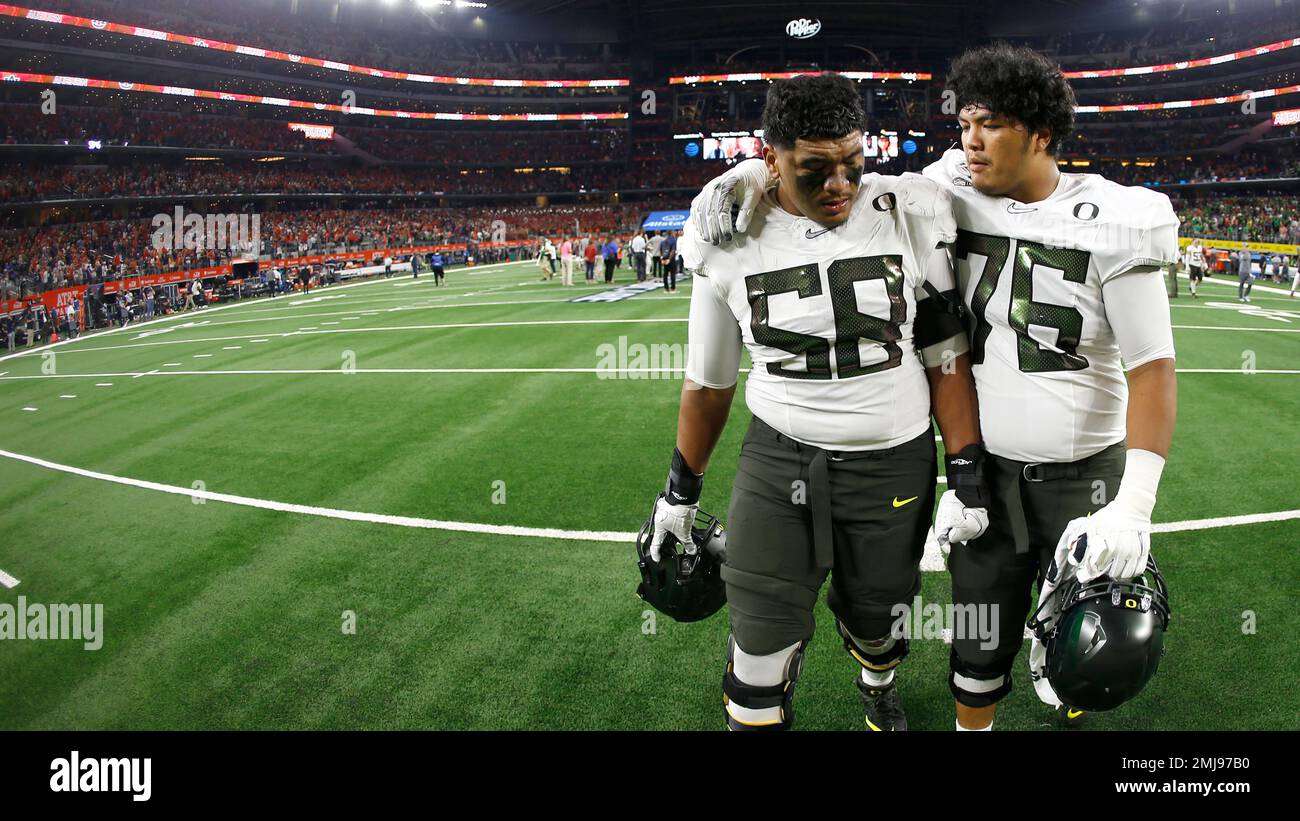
{"points": [[480, 403]]}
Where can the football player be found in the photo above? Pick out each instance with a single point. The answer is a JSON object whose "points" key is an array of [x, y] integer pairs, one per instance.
{"points": [[1195, 265], [843, 294], [1062, 277]]}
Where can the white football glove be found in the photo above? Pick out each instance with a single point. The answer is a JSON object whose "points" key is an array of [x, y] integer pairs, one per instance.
{"points": [[743, 183], [674, 519], [1119, 535], [954, 522]]}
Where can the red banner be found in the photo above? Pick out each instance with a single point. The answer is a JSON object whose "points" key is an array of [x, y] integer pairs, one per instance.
{"points": [[1182, 65], [258, 99], [253, 51]]}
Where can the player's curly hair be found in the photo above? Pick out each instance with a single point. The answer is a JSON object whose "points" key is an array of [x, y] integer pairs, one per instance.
{"points": [[811, 107], [1016, 82]]}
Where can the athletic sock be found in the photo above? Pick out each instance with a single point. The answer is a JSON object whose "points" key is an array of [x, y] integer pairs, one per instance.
{"points": [[877, 680], [962, 729]]}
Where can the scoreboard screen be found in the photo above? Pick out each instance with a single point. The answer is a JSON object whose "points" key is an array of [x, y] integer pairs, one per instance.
{"points": [[732, 148]]}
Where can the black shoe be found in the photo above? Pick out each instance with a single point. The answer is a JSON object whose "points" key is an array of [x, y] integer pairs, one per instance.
{"points": [[1069, 717], [884, 710]]}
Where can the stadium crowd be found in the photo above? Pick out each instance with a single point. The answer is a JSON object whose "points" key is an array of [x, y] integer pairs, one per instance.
{"points": [[33, 260], [1269, 218], [29, 183], [23, 124], [74, 125], [528, 146]]}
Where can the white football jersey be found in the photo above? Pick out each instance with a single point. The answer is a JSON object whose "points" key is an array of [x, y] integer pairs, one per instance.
{"points": [[1047, 366], [827, 313]]}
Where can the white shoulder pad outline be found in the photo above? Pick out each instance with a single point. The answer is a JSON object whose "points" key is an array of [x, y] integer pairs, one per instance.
{"points": [[1158, 222]]}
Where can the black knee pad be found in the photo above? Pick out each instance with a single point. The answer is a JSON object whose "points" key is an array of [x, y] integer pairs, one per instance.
{"points": [[759, 698], [979, 685], [876, 659]]}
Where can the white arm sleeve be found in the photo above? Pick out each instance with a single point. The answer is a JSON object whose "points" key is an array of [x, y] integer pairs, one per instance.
{"points": [[1137, 308], [713, 352]]}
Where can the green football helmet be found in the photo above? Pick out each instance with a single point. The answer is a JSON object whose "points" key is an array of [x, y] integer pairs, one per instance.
{"points": [[1108, 639]]}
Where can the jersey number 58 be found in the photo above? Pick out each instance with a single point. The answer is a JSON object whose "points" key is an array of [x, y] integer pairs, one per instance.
{"points": [[850, 323]]}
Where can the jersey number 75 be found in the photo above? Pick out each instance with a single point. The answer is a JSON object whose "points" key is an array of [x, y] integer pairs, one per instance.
{"points": [[1024, 310]]}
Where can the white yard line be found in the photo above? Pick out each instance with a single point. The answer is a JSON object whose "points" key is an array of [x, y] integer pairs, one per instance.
{"points": [[1238, 371], [609, 372], [384, 329], [1234, 328], [508, 530]]}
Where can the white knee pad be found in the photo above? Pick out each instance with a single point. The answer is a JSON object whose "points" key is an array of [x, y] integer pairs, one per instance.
{"points": [[758, 691]]}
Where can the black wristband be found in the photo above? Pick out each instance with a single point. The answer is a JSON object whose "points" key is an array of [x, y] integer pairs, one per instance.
{"points": [[684, 485], [965, 472]]}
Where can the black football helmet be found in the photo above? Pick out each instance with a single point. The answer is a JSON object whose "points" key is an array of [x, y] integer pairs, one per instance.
{"points": [[1107, 641], [685, 585]]}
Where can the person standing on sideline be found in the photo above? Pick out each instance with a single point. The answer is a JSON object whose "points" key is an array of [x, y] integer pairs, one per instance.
{"points": [[566, 261], [652, 251], [1195, 265], [439, 273], [542, 259], [611, 259], [189, 296], [1243, 273], [638, 256], [589, 256], [668, 256]]}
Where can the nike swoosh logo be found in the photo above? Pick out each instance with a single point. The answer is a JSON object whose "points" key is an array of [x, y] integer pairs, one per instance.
{"points": [[1073, 714], [905, 501], [811, 234], [1017, 208]]}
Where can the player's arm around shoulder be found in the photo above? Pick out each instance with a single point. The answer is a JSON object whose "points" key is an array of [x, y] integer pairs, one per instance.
{"points": [[725, 205]]}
